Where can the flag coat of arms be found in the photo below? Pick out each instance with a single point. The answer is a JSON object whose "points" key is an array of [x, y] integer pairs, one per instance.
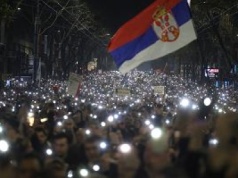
{"points": [[162, 28]]}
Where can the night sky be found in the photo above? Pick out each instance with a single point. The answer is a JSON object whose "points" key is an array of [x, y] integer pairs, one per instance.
{"points": [[114, 13]]}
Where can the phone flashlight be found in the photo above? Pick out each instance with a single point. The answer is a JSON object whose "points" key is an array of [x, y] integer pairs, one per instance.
{"points": [[1, 129], [110, 119], [103, 124], [147, 122], [70, 174], [156, 133], [88, 132], [103, 145], [213, 142], [4, 146], [125, 148], [49, 152], [96, 167], [83, 172], [59, 124]]}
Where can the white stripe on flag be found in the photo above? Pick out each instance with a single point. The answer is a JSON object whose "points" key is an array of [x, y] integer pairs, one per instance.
{"points": [[160, 49]]}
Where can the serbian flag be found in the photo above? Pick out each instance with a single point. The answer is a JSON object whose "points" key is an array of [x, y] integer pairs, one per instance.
{"points": [[162, 28]]}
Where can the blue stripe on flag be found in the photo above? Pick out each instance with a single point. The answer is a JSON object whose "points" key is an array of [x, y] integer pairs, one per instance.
{"points": [[128, 51], [181, 13]]}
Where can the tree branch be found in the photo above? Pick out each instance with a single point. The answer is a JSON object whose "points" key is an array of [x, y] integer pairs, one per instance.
{"points": [[56, 17], [59, 13]]}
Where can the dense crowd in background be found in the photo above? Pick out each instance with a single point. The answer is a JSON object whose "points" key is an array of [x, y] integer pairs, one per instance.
{"points": [[46, 133]]}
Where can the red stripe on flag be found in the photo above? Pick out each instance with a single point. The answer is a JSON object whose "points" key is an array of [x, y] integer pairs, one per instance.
{"points": [[139, 24]]}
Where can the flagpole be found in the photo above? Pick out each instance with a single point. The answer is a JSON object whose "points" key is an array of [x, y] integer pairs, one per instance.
{"points": [[165, 67], [38, 74]]}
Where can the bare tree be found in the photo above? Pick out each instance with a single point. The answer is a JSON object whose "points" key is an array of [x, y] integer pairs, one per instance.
{"points": [[72, 33]]}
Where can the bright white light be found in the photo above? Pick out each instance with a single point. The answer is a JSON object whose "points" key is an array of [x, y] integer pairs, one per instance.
{"points": [[88, 132], [125, 148], [49, 152], [167, 121], [151, 126], [59, 124], [184, 102], [100, 107], [139, 114], [153, 117], [30, 114], [110, 119], [158, 100], [147, 122], [70, 174], [1, 129], [220, 110], [83, 100], [116, 116], [65, 117], [189, 2], [96, 167], [156, 133], [4, 146], [95, 116], [103, 124], [213, 142], [207, 101], [103, 145], [84, 172], [194, 107]]}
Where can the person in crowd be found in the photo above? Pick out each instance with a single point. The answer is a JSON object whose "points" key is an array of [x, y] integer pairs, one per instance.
{"points": [[7, 168], [92, 150], [70, 128], [222, 155], [40, 141], [30, 166], [158, 120], [62, 149], [101, 134], [55, 168], [19, 144]]}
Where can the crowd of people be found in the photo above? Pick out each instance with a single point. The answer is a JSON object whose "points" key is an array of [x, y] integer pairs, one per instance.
{"points": [[188, 130]]}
